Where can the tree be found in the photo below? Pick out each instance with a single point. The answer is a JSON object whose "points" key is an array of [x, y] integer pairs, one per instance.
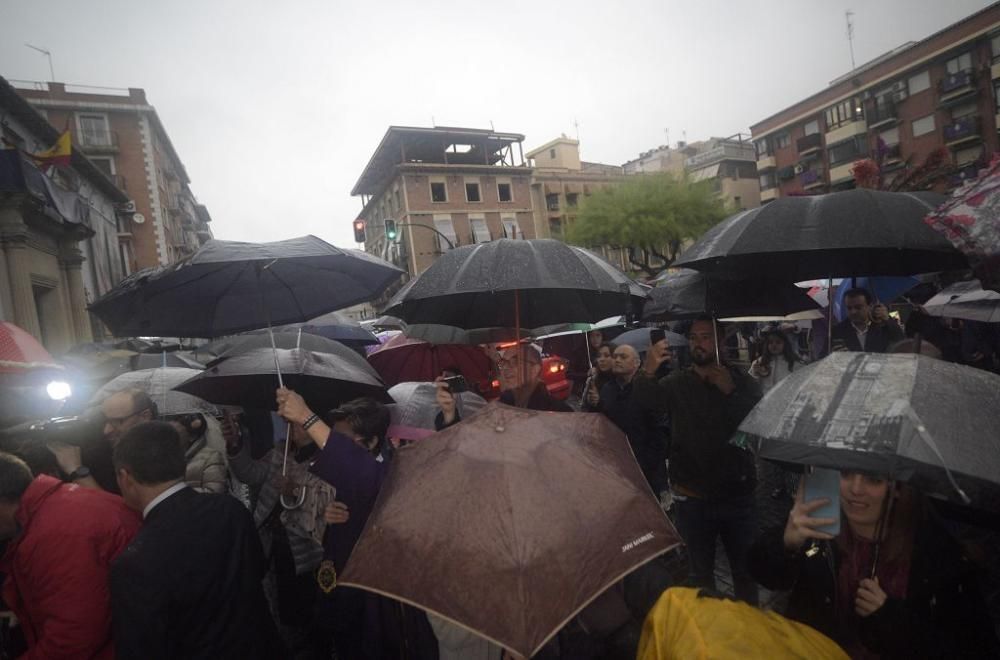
{"points": [[651, 215]]}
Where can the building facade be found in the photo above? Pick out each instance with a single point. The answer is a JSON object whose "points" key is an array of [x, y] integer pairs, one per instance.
{"points": [[898, 108], [122, 134], [58, 231], [443, 187], [729, 163]]}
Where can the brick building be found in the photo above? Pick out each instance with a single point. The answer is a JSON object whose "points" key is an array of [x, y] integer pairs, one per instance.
{"points": [[442, 185], [122, 134], [941, 91]]}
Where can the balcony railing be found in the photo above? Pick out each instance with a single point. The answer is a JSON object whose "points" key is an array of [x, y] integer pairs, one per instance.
{"points": [[811, 178], [961, 128], [98, 139], [809, 142], [892, 152], [786, 173], [956, 81], [880, 113]]}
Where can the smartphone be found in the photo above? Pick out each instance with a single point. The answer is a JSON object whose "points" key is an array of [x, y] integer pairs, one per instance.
{"points": [[657, 335], [457, 384], [823, 483]]}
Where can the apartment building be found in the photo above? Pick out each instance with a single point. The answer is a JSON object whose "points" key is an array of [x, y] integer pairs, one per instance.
{"points": [[443, 187], [123, 135], [901, 106]]}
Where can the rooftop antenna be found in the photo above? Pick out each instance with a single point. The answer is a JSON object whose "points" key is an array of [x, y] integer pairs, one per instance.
{"points": [[667, 131], [433, 124], [46, 53], [576, 125], [491, 126], [850, 35]]}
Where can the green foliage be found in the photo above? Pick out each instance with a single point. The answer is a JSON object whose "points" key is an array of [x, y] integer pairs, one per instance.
{"points": [[654, 213]]}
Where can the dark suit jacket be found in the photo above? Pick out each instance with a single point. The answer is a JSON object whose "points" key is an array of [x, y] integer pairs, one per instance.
{"points": [[189, 585], [880, 336]]}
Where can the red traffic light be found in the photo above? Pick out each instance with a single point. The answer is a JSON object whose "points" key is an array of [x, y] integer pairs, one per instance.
{"points": [[359, 230]]}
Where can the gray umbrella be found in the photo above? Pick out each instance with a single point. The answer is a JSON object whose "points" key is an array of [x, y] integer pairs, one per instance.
{"points": [[966, 300], [639, 339], [911, 417], [415, 407], [159, 384]]}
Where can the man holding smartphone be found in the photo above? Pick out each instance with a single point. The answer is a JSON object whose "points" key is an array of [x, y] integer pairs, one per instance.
{"points": [[867, 328], [712, 480]]}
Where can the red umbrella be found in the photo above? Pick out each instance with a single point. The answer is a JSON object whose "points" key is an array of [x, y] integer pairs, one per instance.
{"points": [[403, 359], [20, 352]]}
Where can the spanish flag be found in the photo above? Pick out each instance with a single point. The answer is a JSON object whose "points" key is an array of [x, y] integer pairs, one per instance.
{"points": [[58, 154]]}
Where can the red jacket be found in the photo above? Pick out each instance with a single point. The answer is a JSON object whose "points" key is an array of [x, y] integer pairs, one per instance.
{"points": [[58, 566]]}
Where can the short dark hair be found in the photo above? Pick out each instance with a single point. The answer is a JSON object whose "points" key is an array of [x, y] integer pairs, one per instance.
{"points": [[15, 477], [152, 453], [859, 291], [610, 345], [368, 418]]}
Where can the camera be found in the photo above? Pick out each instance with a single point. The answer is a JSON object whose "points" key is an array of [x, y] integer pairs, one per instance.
{"points": [[79, 430]]}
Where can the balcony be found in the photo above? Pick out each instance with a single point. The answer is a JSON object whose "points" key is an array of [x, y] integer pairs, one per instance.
{"points": [[963, 129], [892, 154], [846, 131], [842, 173], [786, 173], [809, 144], [882, 114], [956, 86], [730, 150], [97, 142], [766, 163], [812, 179], [768, 195]]}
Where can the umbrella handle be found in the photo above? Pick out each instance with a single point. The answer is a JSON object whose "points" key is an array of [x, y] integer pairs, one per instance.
{"points": [[284, 470]]}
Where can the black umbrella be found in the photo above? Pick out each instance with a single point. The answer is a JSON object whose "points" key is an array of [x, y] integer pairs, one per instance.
{"points": [[911, 417], [684, 294], [228, 287], [286, 338], [854, 232], [325, 380], [516, 284], [339, 327]]}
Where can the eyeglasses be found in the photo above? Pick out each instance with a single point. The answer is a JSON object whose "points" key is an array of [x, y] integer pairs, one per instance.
{"points": [[116, 422]]}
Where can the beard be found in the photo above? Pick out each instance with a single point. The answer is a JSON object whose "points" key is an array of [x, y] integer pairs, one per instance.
{"points": [[701, 357]]}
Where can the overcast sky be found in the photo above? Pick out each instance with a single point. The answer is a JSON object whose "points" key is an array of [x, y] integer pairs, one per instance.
{"points": [[275, 107]]}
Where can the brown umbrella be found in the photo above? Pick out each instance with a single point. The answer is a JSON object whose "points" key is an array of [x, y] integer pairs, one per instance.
{"points": [[510, 522]]}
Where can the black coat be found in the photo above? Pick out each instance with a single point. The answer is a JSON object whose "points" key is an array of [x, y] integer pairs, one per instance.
{"points": [[943, 615], [189, 584], [646, 434], [878, 340]]}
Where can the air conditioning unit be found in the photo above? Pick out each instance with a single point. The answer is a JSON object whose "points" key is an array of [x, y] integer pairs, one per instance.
{"points": [[799, 169], [127, 207]]}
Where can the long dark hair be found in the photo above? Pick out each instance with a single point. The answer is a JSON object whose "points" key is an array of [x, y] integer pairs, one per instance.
{"points": [[788, 352]]}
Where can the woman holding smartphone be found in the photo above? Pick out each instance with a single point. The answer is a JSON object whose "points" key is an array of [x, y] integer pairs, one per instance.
{"points": [[891, 584]]}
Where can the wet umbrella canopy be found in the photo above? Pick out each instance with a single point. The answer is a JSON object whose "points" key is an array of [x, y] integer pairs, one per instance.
{"points": [[509, 283], [854, 232], [402, 359], [684, 294], [159, 384], [966, 300], [325, 380], [227, 347], [510, 522], [228, 287], [915, 418]]}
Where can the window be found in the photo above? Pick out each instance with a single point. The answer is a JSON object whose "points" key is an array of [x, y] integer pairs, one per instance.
{"points": [[444, 225], [995, 47], [848, 150], [958, 64], [844, 113], [106, 165], [919, 82], [94, 130], [504, 192], [967, 110], [782, 140], [555, 228], [890, 137], [967, 156], [572, 200], [763, 147], [397, 200], [923, 126], [767, 181], [480, 231], [552, 154], [439, 192], [552, 201], [472, 192], [510, 227], [812, 127]]}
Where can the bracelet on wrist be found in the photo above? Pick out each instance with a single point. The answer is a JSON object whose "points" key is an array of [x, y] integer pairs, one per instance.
{"points": [[310, 421]]}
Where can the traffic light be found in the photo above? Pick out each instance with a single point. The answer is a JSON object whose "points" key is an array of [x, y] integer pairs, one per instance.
{"points": [[390, 230], [359, 230]]}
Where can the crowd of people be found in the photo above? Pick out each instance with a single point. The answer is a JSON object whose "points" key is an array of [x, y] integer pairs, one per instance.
{"points": [[160, 541]]}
